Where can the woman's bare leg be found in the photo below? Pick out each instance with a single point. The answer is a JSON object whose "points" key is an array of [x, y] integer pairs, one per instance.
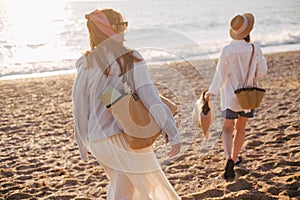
{"points": [[239, 136], [227, 131]]}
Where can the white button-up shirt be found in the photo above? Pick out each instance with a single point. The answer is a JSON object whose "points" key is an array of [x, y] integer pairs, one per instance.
{"points": [[93, 121], [232, 69]]}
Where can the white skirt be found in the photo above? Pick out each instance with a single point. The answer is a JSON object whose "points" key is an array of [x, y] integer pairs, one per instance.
{"points": [[133, 174]]}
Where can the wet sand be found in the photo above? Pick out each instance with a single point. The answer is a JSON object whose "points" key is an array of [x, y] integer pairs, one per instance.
{"points": [[39, 158]]}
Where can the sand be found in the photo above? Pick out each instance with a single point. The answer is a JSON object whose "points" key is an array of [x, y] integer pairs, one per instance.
{"points": [[39, 157]]}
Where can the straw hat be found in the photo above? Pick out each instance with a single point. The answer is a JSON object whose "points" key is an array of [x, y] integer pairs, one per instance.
{"points": [[203, 114], [241, 26]]}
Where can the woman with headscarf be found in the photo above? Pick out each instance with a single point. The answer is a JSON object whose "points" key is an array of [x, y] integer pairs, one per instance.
{"points": [[133, 174]]}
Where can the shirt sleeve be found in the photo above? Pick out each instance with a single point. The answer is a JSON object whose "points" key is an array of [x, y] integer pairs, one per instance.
{"points": [[149, 95], [220, 75], [80, 106], [82, 150], [261, 67]]}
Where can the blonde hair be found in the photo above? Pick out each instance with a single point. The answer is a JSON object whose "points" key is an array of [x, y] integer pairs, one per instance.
{"points": [[96, 37]]}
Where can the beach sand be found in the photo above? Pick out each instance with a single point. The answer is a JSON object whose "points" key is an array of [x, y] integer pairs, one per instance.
{"points": [[39, 158]]}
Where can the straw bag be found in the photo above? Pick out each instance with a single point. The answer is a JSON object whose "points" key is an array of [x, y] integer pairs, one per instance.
{"points": [[139, 127], [250, 97]]}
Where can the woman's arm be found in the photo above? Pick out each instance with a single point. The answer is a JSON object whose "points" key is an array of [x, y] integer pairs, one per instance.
{"points": [[161, 113], [220, 75], [261, 66], [80, 106]]}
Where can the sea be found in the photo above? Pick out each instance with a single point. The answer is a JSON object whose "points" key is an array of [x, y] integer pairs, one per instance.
{"points": [[45, 37]]}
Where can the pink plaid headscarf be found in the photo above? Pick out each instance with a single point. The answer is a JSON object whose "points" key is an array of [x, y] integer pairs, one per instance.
{"points": [[103, 24]]}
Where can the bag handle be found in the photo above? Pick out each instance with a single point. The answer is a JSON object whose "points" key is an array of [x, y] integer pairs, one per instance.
{"points": [[129, 78], [246, 81]]}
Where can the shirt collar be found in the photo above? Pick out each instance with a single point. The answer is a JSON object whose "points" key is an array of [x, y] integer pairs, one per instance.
{"points": [[238, 41]]}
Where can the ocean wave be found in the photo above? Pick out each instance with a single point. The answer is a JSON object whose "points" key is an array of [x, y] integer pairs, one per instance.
{"points": [[151, 55], [285, 38]]}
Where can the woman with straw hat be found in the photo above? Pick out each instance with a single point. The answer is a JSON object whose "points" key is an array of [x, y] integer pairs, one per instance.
{"points": [[232, 68]]}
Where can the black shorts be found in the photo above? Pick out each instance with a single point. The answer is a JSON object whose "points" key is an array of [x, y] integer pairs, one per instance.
{"points": [[229, 114]]}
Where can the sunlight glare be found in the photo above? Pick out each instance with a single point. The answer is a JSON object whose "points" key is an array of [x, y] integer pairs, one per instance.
{"points": [[33, 22]]}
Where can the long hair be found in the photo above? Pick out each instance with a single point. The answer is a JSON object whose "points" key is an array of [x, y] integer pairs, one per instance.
{"points": [[247, 38], [122, 55]]}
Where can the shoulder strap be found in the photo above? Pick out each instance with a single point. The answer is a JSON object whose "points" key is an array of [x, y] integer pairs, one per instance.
{"points": [[129, 78], [246, 81]]}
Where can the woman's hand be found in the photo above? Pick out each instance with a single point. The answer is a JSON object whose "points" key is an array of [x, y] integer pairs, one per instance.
{"points": [[175, 149], [207, 96]]}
